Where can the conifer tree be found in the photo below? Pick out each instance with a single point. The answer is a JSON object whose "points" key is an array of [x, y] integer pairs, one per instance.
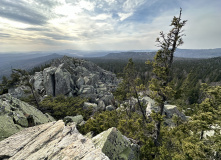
{"points": [[159, 84], [130, 87]]}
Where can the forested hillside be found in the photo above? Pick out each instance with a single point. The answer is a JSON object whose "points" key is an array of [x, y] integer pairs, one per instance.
{"points": [[186, 71]]}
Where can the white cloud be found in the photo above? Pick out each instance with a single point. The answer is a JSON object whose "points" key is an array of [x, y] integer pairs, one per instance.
{"points": [[130, 5], [123, 16]]}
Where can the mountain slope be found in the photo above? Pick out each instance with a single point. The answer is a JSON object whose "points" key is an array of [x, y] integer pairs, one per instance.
{"points": [[198, 53], [24, 63], [128, 55]]}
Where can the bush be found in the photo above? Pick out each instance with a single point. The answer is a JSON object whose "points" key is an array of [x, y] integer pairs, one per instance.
{"points": [[62, 106]]}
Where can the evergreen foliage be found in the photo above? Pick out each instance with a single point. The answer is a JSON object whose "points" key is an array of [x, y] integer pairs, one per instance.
{"points": [[159, 84], [61, 106], [130, 87], [130, 126]]}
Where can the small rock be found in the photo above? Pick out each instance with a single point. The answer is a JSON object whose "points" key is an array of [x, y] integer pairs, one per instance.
{"points": [[110, 108], [77, 119], [101, 106]]}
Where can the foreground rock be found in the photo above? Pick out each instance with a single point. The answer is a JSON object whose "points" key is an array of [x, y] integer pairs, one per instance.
{"points": [[16, 115], [116, 146], [53, 140]]}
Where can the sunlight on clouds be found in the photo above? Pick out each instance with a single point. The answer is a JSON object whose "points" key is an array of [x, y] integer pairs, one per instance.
{"points": [[68, 10], [123, 16], [86, 5], [101, 17], [12, 24]]}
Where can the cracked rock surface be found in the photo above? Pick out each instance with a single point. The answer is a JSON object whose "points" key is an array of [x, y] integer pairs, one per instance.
{"points": [[52, 140]]}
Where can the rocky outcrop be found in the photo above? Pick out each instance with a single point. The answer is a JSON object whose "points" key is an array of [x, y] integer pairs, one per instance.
{"points": [[116, 146], [49, 141], [75, 77], [150, 105], [16, 115], [169, 111]]}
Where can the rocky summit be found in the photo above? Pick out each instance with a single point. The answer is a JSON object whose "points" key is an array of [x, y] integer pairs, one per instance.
{"points": [[76, 77]]}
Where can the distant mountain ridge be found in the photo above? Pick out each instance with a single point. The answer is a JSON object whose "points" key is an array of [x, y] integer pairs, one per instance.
{"points": [[33, 59], [128, 55], [198, 53], [180, 53], [25, 63]]}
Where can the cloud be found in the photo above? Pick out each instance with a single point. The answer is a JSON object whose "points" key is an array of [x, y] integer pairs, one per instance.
{"points": [[57, 36], [35, 29], [5, 35], [20, 11]]}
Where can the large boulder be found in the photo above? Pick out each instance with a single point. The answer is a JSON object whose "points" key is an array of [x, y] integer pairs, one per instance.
{"points": [[49, 80], [38, 81], [116, 146], [16, 115], [20, 91], [53, 140]]}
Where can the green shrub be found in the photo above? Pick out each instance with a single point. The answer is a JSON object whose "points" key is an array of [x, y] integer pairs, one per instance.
{"points": [[62, 106]]}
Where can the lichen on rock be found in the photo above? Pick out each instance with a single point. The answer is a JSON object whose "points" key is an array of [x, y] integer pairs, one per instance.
{"points": [[16, 115], [116, 146]]}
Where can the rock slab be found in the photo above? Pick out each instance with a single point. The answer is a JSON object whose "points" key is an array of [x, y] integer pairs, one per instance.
{"points": [[51, 141]]}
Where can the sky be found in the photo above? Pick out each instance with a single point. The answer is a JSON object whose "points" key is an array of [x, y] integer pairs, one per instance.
{"points": [[44, 25]]}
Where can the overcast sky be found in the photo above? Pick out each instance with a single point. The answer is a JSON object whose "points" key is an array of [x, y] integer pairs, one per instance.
{"points": [[40, 25]]}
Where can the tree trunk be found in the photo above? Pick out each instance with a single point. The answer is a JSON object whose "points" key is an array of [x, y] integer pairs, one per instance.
{"points": [[158, 126], [201, 135], [140, 106]]}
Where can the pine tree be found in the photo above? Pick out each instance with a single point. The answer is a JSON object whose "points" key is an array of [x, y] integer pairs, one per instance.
{"points": [[159, 84], [130, 87]]}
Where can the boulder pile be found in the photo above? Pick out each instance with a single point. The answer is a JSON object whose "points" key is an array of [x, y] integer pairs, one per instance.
{"points": [[76, 77]]}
